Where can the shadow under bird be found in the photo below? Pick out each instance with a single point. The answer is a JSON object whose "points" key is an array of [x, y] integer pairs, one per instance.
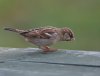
{"points": [[43, 37]]}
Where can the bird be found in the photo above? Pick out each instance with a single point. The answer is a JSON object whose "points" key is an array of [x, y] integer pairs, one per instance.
{"points": [[43, 37]]}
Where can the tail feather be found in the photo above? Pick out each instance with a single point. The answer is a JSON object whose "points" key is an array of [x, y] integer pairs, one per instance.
{"points": [[14, 30]]}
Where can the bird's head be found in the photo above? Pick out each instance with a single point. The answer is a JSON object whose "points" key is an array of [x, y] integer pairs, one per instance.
{"points": [[68, 35]]}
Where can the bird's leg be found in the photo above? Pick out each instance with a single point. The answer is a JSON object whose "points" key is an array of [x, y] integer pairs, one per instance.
{"points": [[48, 49]]}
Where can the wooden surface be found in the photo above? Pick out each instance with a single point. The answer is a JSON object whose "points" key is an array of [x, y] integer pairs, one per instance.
{"points": [[31, 62]]}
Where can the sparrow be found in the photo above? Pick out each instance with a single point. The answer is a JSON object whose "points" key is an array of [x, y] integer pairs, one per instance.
{"points": [[43, 37]]}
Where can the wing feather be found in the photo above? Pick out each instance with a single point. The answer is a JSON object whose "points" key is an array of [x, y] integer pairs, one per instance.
{"points": [[43, 33]]}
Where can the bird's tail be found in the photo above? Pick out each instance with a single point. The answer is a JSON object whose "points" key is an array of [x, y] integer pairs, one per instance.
{"points": [[14, 30]]}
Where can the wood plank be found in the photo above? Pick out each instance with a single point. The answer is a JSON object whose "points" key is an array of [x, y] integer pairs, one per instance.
{"points": [[31, 62]]}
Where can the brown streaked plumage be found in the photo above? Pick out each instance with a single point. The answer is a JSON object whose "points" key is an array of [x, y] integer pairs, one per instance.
{"points": [[45, 36]]}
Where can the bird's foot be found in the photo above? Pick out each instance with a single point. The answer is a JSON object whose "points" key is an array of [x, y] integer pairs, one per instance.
{"points": [[46, 49]]}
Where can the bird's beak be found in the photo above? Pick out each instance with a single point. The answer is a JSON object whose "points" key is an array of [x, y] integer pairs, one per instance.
{"points": [[72, 39]]}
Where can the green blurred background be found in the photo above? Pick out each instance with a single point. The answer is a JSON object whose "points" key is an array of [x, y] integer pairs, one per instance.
{"points": [[82, 16]]}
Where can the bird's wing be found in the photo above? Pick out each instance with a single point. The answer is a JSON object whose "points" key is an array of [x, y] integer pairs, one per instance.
{"points": [[30, 34], [47, 33], [39, 33]]}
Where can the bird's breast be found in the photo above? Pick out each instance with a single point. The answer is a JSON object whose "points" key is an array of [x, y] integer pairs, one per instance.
{"points": [[42, 42]]}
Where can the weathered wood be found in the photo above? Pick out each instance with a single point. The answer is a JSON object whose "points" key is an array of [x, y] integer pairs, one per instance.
{"points": [[31, 62]]}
